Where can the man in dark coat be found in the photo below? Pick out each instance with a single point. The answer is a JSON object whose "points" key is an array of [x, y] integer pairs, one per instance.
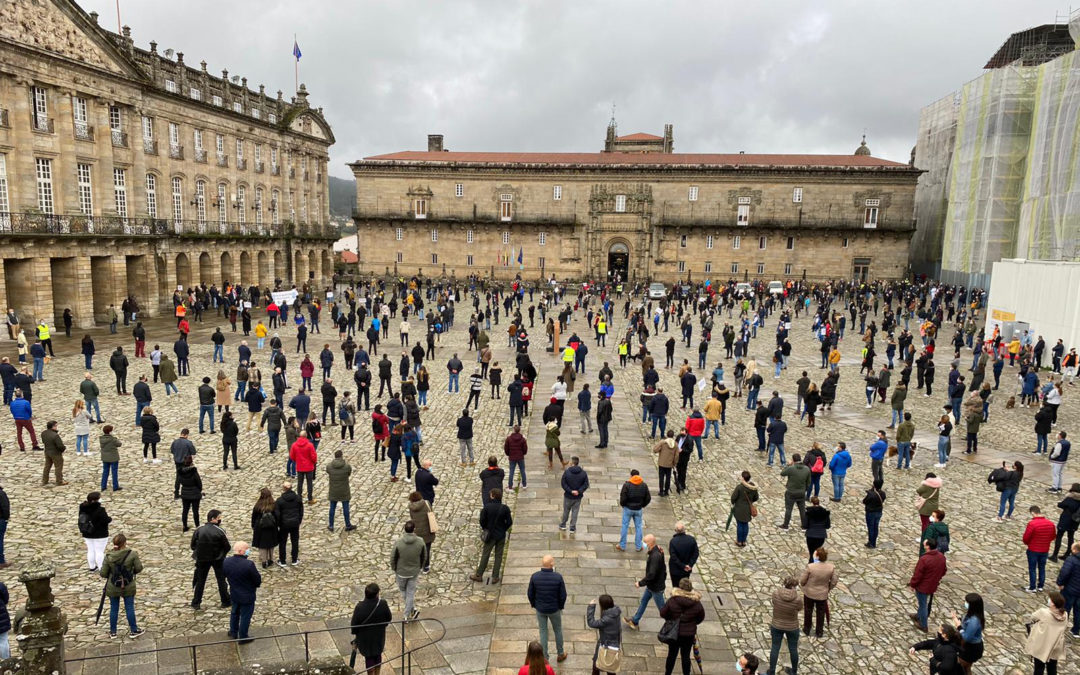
{"points": [[210, 546], [682, 554], [289, 513], [374, 612], [496, 520], [603, 419], [654, 581], [426, 482], [244, 579]]}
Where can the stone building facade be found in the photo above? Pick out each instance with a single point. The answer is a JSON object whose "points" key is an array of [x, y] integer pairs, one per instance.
{"points": [[638, 210], [124, 171]]}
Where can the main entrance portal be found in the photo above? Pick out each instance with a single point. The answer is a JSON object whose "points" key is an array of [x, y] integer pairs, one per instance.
{"points": [[618, 262]]}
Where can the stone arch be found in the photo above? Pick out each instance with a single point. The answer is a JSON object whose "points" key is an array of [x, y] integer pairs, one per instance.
{"points": [[264, 269], [245, 268], [227, 273], [313, 267], [206, 268], [183, 270], [618, 259]]}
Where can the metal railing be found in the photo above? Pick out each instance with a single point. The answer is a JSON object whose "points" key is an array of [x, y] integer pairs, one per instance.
{"points": [[439, 214], [149, 146], [241, 163], [405, 657], [119, 138], [200, 155], [222, 160], [259, 166], [57, 224], [84, 132], [176, 151], [275, 170], [43, 125], [781, 223], [4, 119]]}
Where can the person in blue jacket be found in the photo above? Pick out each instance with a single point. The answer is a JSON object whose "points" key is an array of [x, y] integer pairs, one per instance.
{"points": [[877, 455], [23, 416], [838, 466]]}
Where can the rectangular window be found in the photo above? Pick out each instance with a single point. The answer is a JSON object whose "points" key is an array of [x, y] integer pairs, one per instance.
{"points": [[198, 140], [692, 196], [151, 195], [273, 158], [542, 239], [790, 243], [870, 216], [708, 241], [435, 234], [86, 191], [116, 120], [78, 112], [787, 269], [271, 118], [469, 236], [399, 256], [542, 262], [239, 149], [742, 217], [682, 265], [120, 192], [843, 244], [258, 205], [761, 268], [258, 154], [708, 267], [556, 193], [459, 190], [399, 233], [200, 201], [796, 195], [682, 241], [468, 261], [5, 203], [217, 101], [223, 206], [873, 202], [275, 207], [505, 238], [237, 106], [170, 86], [434, 258], [41, 108], [256, 113], [420, 209], [241, 204], [148, 128], [506, 211], [174, 135], [761, 242], [744, 201], [736, 242], [196, 94], [177, 199], [44, 185], [735, 268], [620, 203], [219, 145]]}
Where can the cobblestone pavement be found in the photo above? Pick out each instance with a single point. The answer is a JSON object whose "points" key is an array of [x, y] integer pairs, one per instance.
{"points": [[870, 631]]}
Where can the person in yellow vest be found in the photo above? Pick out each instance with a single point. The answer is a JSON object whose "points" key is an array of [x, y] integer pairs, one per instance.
{"points": [[260, 334], [601, 332], [181, 312], [1014, 350], [45, 336], [568, 356], [624, 352]]}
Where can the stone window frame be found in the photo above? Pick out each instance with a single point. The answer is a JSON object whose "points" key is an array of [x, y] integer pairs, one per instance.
{"points": [[468, 236], [761, 268], [787, 269], [556, 193], [796, 195], [541, 238], [150, 184], [736, 242], [84, 173], [681, 266], [620, 203], [709, 241], [734, 268], [469, 260], [120, 191], [459, 190], [708, 267], [692, 193], [789, 244]]}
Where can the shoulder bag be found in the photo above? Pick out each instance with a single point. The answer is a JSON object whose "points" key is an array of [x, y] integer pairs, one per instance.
{"points": [[669, 632], [921, 501], [609, 659], [753, 509], [433, 524]]}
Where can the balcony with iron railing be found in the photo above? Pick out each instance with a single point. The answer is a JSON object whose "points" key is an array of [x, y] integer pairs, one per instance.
{"points": [[75, 225], [176, 152], [5, 119], [119, 138], [149, 146], [275, 170], [292, 172], [259, 166], [439, 214], [222, 160], [200, 155], [84, 132], [241, 163], [43, 125], [756, 221]]}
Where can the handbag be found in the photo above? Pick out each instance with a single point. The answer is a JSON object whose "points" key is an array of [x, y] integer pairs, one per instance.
{"points": [[753, 509], [485, 535], [608, 659], [433, 524], [921, 501], [669, 632]]}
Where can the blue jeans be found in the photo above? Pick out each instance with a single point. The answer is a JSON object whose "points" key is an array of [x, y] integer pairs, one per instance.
{"points": [[3, 531], [290, 468], [1036, 561], [1041, 443], [452, 386], [1007, 495], [924, 607], [129, 610], [644, 413], [106, 469], [520, 465], [219, 354], [1072, 604], [241, 390], [942, 445], [955, 403], [780, 447], [82, 442], [240, 619], [760, 437], [815, 485], [742, 531], [88, 361], [701, 359], [171, 385], [393, 466], [556, 625], [259, 342], [139, 405], [903, 454], [793, 647], [273, 440], [627, 516], [697, 442], [660, 421], [94, 407], [838, 485], [344, 510], [776, 373], [203, 411], [657, 598], [751, 399], [39, 368], [897, 417], [421, 397], [714, 425], [873, 519]]}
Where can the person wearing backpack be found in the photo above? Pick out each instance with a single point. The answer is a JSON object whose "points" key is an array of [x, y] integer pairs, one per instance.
{"points": [[210, 546], [873, 503], [120, 569], [1008, 484], [94, 527], [347, 416], [938, 530], [380, 430], [815, 459], [264, 527]]}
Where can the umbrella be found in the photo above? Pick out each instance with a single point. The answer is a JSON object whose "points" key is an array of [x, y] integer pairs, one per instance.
{"points": [[730, 515], [697, 656]]}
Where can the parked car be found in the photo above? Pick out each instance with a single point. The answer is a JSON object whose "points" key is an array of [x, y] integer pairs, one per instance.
{"points": [[743, 288], [776, 288], [657, 291]]}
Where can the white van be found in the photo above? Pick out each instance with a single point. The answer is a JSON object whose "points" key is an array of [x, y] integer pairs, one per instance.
{"points": [[776, 288], [657, 291]]}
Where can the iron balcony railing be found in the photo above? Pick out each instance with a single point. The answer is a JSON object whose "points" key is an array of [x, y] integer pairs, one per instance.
{"points": [[176, 151], [43, 125], [5, 121], [241, 163], [200, 155], [119, 138], [259, 166], [275, 170], [58, 224], [84, 132], [222, 160], [149, 146], [782, 223]]}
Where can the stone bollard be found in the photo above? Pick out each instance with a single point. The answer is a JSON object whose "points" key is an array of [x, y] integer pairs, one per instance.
{"points": [[41, 635]]}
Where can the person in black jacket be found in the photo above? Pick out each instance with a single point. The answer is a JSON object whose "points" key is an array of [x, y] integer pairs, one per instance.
{"points": [[682, 554], [761, 421], [230, 430], [151, 435], [490, 478], [574, 484], [369, 620], [603, 418], [207, 396], [1068, 521], [210, 546], [289, 512], [873, 502], [633, 498], [945, 659], [95, 533], [818, 523], [244, 581], [118, 362], [426, 481], [658, 410], [465, 438], [495, 522], [654, 582], [190, 490]]}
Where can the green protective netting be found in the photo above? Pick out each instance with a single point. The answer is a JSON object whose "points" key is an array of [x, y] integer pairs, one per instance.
{"points": [[933, 155]]}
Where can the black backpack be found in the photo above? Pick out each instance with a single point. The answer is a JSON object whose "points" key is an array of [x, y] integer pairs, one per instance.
{"points": [[267, 521], [376, 426], [86, 525], [121, 576]]}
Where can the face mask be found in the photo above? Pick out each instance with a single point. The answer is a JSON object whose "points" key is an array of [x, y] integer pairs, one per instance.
{"points": [[933, 519], [966, 606], [738, 667], [816, 559]]}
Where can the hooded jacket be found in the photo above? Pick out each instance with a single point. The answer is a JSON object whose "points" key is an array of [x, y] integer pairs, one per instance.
{"points": [[840, 463], [635, 494], [786, 605], [930, 490], [1047, 639], [1068, 506], [409, 556], [303, 453], [574, 478], [744, 494], [667, 452], [515, 447], [685, 607], [609, 625], [695, 424]]}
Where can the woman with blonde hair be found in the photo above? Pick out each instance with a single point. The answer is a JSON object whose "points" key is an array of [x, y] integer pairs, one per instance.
{"points": [[81, 420], [264, 527], [224, 391]]}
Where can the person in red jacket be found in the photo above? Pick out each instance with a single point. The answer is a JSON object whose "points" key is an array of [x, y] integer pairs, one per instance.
{"points": [[515, 447], [695, 427], [928, 573], [303, 453], [382, 422], [1038, 535]]}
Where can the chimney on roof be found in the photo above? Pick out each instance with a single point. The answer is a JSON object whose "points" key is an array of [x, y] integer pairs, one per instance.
{"points": [[669, 139], [435, 143], [94, 17]]}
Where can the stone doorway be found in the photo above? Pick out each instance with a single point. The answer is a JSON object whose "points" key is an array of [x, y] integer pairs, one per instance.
{"points": [[618, 262], [861, 270]]}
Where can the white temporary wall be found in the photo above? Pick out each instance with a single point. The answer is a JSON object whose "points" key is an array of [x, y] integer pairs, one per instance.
{"points": [[1044, 294]]}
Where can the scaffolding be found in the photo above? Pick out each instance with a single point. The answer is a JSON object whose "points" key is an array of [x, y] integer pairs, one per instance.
{"points": [[933, 155]]}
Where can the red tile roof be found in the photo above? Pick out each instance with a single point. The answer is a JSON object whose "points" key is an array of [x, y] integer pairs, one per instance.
{"points": [[348, 257], [639, 137], [634, 159]]}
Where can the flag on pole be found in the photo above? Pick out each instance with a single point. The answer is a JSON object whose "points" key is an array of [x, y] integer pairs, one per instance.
{"points": [[520, 254], [296, 49]]}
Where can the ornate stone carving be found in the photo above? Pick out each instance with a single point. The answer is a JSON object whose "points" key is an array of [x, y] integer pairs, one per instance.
{"points": [[754, 195], [43, 25], [639, 197], [859, 198]]}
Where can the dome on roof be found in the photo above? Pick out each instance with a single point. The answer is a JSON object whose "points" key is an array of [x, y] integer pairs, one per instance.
{"points": [[863, 149]]}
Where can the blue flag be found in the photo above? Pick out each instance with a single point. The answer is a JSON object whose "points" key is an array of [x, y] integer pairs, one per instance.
{"points": [[521, 252], [296, 50]]}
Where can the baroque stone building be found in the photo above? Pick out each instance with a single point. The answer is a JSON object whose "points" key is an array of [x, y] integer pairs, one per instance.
{"points": [[125, 171], [637, 209]]}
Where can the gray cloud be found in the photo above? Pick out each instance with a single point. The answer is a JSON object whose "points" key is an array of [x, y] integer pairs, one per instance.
{"points": [[774, 76]]}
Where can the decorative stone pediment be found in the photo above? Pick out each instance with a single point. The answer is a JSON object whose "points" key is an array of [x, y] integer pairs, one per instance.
{"points": [[57, 27], [604, 196]]}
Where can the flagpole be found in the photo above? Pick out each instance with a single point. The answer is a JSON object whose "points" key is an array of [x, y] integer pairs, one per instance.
{"points": [[296, 62]]}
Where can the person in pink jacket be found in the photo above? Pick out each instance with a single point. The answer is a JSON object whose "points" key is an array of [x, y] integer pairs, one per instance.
{"points": [[303, 453]]}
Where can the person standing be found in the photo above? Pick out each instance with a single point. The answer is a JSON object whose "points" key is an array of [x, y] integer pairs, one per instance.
{"points": [[609, 637], [877, 455], [121, 568], [180, 448], [817, 580], [925, 581], [1068, 521], [289, 513], [94, 527], [798, 482], [603, 417], [264, 527], [574, 484], [929, 494], [971, 631], [118, 362], [1068, 581], [495, 521], [369, 622], [682, 554], [244, 580], [23, 415], [818, 522], [303, 453], [191, 491], [686, 609], [338, 472], [547, 596], [654, 582], [666, 452], [1046, 641], [406, 560], [1058, 456], [110, 458], [426, 481], [905, 432], [143, 398], [1038, 535], [465, 438], [873, 503], [742, 507], [210, 546], [1008, 483], [838, 467], [633, 498], [584, 406], [786, 605], [54, 453]]}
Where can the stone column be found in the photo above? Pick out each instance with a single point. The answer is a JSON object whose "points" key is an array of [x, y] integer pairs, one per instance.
{"points": [[77, 277], [41, 292], [3, 289], [41, 636]]}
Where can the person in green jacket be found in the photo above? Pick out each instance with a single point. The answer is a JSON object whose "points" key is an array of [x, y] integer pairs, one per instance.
{"points": [[798, 479], [120, 569], [904, 433], [338, 471], [551, 440], [168, 375], [937, 529], [110, 458], [742, 510]]}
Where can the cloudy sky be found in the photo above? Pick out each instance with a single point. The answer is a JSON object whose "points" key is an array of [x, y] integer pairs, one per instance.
{"points": [[497, 75]]}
